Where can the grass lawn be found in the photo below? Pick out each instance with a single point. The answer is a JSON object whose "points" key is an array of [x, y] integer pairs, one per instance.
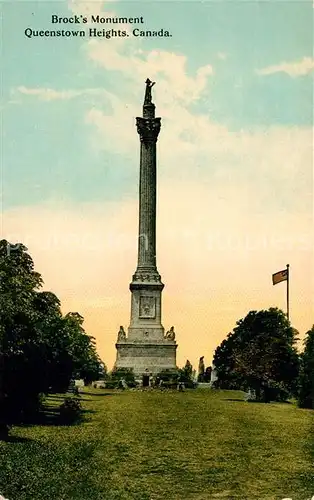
{"points": [[197, 445]]}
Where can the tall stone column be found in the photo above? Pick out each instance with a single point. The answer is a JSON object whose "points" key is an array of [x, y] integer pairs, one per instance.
{"points": [[146, 284], [148, 128], [146, 349], [148, 131]]}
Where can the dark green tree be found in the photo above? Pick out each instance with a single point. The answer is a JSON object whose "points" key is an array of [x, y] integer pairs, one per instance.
{"points": [[201, 370], [260, 353], [103, 371], [306, 385], [20, 346], [40, 350], [82, 349], [51, 332], [207, 374]]}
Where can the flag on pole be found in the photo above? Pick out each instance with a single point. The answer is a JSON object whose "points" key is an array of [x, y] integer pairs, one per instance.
{"points": [[280, 276]]}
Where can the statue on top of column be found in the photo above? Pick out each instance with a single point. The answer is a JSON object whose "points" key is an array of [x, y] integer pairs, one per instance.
{"points": [[148, 91]]}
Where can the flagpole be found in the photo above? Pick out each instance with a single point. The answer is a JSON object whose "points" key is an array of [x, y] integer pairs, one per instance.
{"points": [[288, 291]]}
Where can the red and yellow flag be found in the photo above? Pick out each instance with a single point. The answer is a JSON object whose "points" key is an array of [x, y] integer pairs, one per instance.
{"points": [[280, 276]]}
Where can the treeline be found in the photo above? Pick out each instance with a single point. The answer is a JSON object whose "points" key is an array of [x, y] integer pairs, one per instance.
{"points": [[260, 355], [41, 349]]}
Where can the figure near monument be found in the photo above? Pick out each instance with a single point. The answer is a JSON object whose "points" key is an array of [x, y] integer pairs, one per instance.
{"points": [[170, 335], [121, 334]]}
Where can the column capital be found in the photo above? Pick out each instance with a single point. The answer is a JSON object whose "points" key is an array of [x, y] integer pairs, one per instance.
{"points": [[148, 128]]}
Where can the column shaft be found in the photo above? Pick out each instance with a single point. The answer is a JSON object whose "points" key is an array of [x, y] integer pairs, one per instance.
{"points": [[147, 207]]}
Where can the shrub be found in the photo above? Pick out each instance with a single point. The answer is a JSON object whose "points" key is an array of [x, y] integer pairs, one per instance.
{"points": [[169, 378], [112, 384], [186, 375], [118, 374], [4, 432], [70, 410]]}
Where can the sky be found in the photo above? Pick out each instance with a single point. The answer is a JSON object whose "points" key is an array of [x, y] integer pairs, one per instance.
{"points": [[234, 89]]}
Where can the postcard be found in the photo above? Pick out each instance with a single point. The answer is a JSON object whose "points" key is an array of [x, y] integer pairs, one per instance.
{"points": [[156, 250]]}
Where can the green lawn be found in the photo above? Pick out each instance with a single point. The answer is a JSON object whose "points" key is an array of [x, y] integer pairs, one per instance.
{"points": [[197, 445]]}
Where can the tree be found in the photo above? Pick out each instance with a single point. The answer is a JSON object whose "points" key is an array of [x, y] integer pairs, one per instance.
{"points": [[207, 374], [40, 350], [103, 371], [201, 369], [86, 363], [260, 354], [20, 349], [51, 333], [306, 387]]}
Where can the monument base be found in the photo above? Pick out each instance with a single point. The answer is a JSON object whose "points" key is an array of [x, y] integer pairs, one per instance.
{"points": [[148, 358]]}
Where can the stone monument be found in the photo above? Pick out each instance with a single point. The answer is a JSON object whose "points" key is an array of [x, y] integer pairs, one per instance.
{"points": [[146, 349]]}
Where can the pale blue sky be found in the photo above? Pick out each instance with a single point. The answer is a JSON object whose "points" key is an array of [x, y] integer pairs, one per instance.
{"points": [[46, 148], [235, 160]]}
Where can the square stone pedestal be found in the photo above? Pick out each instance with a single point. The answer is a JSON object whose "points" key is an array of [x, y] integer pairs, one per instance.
{"points": [[146, 358]]}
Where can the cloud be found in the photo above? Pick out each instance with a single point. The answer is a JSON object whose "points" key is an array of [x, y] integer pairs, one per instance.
{"points": [[167, 67], [46, 94], [269, 168], [293, 69], [270, 164]]}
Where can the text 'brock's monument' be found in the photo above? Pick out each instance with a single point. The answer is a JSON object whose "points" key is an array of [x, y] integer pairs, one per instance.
{"points": [[146, 348]]}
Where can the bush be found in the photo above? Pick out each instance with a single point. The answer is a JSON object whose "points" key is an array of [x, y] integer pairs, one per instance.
{"points": [[112, 384], [4, 432], [21, 406], [168, 376], [118, 374], [275, 393], [70, 410]]}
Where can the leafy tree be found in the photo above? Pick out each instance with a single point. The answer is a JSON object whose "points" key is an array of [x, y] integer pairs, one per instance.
{"points": [[40, 350], [207, 374], [103, 372], [86, 363], [306, 389], [21, 350], [228, 377], [201, 370], [260, 353], [51, 332]]}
